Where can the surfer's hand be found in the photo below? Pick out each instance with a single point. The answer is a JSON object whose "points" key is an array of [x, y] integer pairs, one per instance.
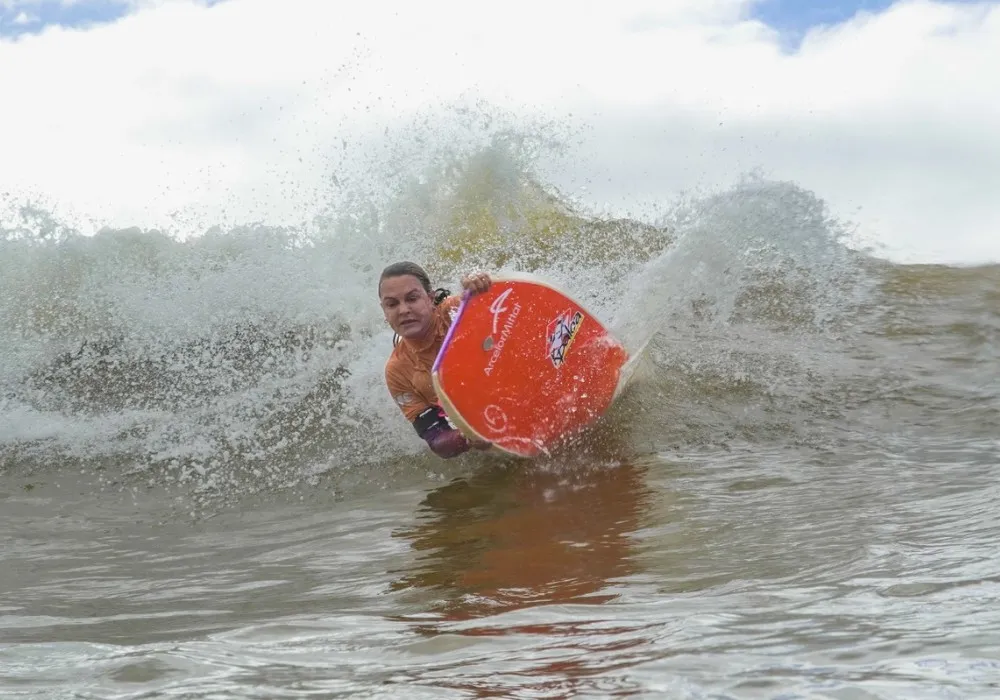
{"points": [[476, 282], [446, 443], [480, 444]]}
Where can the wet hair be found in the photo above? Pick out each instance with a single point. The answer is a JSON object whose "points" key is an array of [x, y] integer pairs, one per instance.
{"points": [[400, 269]]}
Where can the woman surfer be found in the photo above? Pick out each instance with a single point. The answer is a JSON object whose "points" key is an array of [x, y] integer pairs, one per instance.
{"points": [[420, 318]]}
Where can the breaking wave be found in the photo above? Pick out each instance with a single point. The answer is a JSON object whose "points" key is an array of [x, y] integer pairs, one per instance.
{"points": [[251, 359]]}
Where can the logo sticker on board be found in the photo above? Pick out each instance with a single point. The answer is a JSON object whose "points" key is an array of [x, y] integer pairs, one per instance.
{"points": [[495, 345], [497, 307], [496, 419], [560, 335]]}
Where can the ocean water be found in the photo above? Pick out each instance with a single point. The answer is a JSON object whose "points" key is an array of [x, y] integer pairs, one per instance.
{"points": [[206, 492]]}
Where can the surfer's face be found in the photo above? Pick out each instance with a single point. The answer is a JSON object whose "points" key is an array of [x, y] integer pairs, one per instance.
{"points": [[407, 306]]}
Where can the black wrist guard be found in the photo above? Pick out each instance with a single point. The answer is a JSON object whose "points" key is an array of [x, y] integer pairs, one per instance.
{"points": [[429, 418]]}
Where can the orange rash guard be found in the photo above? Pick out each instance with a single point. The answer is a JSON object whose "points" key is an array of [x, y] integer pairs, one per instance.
{"points": [[408, 377], [408, 370]]}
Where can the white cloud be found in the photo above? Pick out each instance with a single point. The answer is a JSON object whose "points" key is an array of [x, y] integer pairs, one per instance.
{"points": [[236, 108]]}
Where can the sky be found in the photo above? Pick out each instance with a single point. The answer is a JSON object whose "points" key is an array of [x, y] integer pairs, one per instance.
{"points": [[181, 114], [795, 17], [792, 17]]}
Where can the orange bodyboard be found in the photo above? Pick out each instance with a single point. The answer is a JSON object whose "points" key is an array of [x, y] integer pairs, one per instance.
{"points": [[524, 367]]}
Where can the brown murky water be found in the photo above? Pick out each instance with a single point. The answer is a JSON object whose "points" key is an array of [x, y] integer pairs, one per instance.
{"points": [[745, 573]]}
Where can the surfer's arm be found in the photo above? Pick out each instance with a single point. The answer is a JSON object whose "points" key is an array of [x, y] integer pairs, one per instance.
{"points": [[433, 427], [428, 420]]}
